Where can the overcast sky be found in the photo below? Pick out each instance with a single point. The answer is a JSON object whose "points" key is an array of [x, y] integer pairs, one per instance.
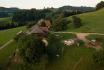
{"points": [[27, 4]]}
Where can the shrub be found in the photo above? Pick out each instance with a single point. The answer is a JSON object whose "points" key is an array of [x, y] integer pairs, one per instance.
{"points": [[98, 57], [32, 48], [54, 48], [77, 22], [60, 24]]}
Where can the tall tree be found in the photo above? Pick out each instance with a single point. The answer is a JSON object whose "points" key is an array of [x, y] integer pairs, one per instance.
{"points": [[76, 22], [100, 5]]}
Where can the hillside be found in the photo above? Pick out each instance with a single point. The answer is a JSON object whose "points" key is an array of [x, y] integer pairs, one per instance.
{"points": [[5, 20], [6, 35], [92, 22], [74, 8], [8, 10]]}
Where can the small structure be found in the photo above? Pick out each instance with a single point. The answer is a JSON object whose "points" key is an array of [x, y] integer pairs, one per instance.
{"points": [[42, 27]]}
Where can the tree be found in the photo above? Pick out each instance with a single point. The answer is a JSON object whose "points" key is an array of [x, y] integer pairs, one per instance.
{"points": [[3, 14], [60, 24], [54, 48], [24, 16], [31, 48], [100, 5], [76, 22]]}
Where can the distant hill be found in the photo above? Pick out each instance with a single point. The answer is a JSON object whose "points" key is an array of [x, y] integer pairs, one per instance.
{"points": [[92, 22], [73, 8], [8, 10], [63, 8]]}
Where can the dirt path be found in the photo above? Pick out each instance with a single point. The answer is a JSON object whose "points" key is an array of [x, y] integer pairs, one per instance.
{"points": [[81, 33], [10, 41], [6, 44], [81, 36]]}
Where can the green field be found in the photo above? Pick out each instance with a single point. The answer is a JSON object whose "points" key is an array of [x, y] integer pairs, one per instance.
{"points": [[7, 19], [6, 35], [5, 54], [92, 22], [71, 57], [66, 36]]}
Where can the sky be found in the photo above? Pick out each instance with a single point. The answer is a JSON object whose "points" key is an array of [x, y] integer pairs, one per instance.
{"points": [[39, 4]]}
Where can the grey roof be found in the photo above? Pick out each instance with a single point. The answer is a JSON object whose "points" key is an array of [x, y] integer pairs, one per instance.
{"points": [[35, 29]]}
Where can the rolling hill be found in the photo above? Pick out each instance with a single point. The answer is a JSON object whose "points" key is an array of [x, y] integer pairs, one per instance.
{"points": [[6, 20], [73, 58], [6, 35], [92, 22]]}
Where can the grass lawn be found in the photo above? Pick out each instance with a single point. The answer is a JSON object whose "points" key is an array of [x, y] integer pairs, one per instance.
{"points": [[6, 19], [66, 36], [92, 22], [5, 54], [73, 58], [6, 35], [70, 60]]}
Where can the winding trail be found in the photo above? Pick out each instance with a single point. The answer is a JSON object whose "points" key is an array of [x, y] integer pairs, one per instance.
{"points": [[10, 41], [81, 33], [80, 36], [7, 43]]}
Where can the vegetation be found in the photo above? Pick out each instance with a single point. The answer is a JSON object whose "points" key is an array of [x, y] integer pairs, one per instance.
{"points": [[60, 24], [98, 58], [32, 48], [92, 22], [98, 38], [66, 36], [49, 52], [29, 15], [3, 14], [6, 53], [21, 17], [76, 22], [100, 5], [54, 48], [71, 56], [8, 10], [6, 35]]}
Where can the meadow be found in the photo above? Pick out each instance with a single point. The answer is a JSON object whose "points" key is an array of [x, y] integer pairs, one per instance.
{"points": [[92, 22]]}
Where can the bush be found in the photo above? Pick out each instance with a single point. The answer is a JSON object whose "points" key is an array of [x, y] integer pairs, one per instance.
{"points": [[60, 24], [98, 57], [54, 48], [77, 22], [30, 24], [32, 48]]}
